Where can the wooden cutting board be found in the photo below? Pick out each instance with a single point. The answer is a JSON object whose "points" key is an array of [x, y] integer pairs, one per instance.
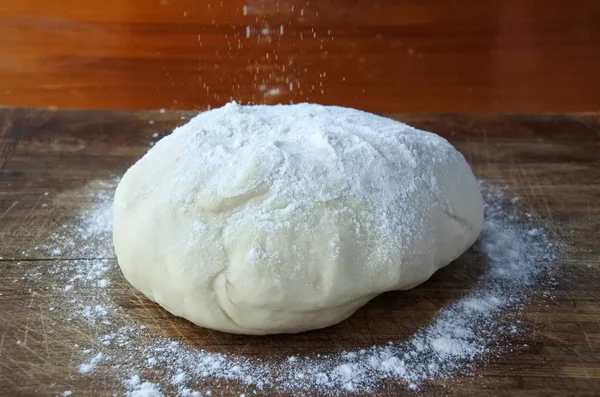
{"points": [[552, 162]]}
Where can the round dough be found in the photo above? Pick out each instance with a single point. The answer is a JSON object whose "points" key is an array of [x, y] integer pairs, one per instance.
{"points": [[282, 219]]}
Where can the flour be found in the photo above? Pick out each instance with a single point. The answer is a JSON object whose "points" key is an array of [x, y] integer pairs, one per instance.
{"points": [[309, 163], [136, 388], [89, 366], [463, 335]]}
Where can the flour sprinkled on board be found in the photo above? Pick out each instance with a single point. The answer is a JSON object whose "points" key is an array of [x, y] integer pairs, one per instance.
{"points": [[464, 334]]}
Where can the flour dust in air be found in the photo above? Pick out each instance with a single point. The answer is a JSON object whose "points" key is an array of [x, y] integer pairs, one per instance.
{"points": [[463, 335]]}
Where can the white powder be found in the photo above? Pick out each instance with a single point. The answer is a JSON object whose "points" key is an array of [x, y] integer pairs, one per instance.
{"points": [[189, 393], [179, 378], [296, 161], [136, 388], [463, 335], [89, 366], [88, 234]]}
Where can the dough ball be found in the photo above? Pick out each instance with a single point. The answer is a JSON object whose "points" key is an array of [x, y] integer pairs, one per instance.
{"points": [[282, 219]]}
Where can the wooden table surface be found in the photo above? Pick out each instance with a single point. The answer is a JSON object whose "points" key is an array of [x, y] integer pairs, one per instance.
{"points": [[524, 56], [552, 162]]}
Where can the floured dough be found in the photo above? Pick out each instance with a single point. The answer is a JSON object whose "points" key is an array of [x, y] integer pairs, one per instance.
{"points": [[272, 219]]}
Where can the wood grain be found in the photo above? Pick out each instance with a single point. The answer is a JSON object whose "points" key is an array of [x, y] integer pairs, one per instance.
{"points": [[551, 162], [524, 56]]}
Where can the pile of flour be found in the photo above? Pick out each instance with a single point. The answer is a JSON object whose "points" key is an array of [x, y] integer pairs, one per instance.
{"points": [[464, 334]]}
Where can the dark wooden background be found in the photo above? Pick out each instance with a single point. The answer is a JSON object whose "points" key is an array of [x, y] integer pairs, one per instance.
{"points": [[526, 56]]}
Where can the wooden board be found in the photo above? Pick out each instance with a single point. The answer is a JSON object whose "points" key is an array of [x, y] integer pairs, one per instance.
{"points": [[525, 56], [552, 162]]}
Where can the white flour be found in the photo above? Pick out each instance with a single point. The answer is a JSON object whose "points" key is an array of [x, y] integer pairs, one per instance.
{"points": [[464, 334]]}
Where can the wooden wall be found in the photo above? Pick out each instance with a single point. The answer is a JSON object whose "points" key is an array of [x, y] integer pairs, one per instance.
{"points": [[378, 55]]}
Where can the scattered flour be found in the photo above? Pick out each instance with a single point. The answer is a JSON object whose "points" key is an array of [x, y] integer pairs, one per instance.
{"points": [[464, 334], [136, 388], [88, 367]]}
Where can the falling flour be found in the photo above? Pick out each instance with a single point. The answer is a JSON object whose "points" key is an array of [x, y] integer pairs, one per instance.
{"points": [[462, 335]]}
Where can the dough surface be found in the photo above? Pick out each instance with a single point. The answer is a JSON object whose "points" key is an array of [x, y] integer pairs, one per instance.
{"points": [[282, 219]]}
